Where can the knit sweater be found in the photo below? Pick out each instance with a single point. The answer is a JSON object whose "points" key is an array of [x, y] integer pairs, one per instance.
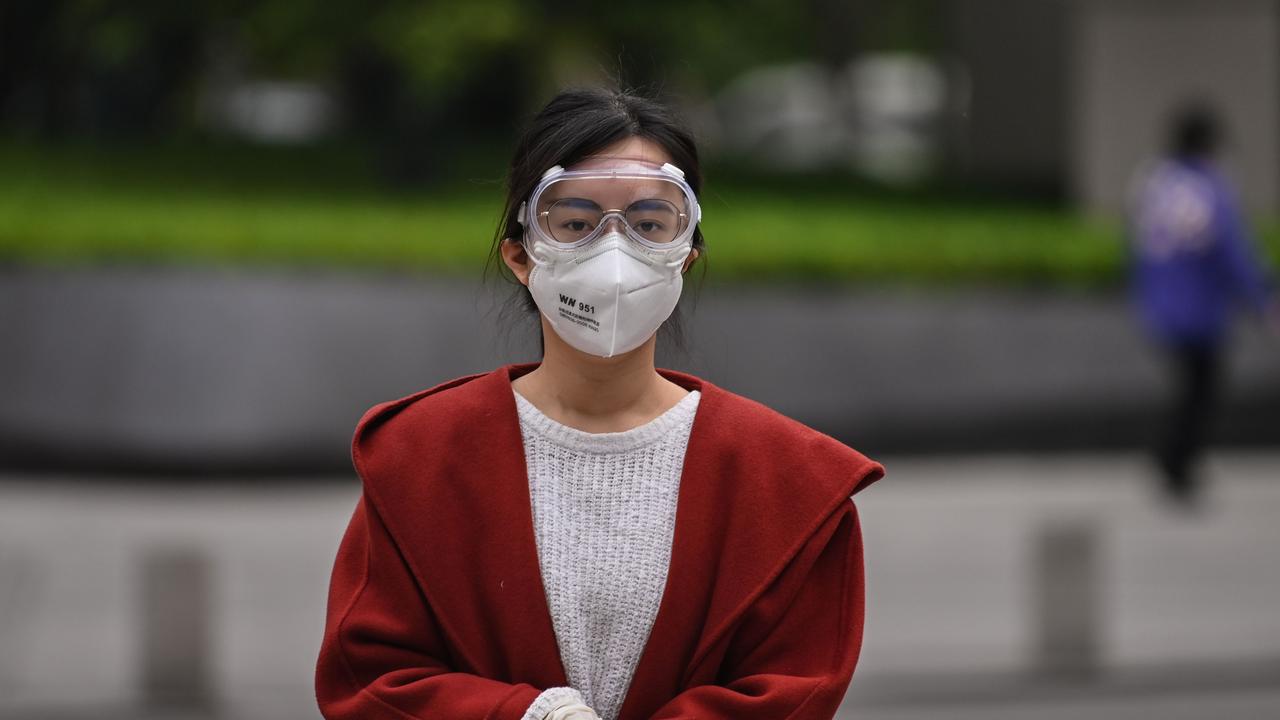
{"points": [[604, 508]]}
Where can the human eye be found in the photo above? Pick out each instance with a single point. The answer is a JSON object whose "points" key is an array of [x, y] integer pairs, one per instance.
{"points": [[571, 219], [654, 219]]}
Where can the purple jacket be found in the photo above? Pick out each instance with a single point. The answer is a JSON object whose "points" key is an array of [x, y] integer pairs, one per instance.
{"points": [[1190, 258]]}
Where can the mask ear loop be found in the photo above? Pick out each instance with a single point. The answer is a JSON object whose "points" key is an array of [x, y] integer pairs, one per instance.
{"points": [[675, 264]]}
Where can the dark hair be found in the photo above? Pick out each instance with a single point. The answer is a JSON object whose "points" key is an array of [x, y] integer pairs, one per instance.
{"points": [[1195, 131], [577, 123]]}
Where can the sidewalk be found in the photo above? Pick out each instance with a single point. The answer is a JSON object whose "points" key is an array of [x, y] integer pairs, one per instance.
{"points": [[951, 578]]}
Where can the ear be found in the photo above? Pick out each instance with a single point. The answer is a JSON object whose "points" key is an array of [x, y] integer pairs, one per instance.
{"points": [[514, 255], [693, 255]]}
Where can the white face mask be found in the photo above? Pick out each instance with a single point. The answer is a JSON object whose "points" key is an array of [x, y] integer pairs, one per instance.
{"points": [[610, 297]]}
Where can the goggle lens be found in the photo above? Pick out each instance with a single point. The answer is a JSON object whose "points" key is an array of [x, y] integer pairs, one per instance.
{"points": [[657, 220]]}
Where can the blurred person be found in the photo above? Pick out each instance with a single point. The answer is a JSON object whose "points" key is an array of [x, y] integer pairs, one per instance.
{"points": [[517, 552], [1191, 263]]}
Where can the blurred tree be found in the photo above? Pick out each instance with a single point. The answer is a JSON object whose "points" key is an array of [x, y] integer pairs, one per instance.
{"points": [[420, 80], [95, 65]]}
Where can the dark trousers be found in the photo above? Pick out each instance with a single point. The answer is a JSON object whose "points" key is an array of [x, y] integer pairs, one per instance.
{"points": [[1195, 368]]}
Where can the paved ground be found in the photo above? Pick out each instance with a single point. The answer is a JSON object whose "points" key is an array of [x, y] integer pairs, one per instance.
{"points": [[1248, 704], [1186, 625], [177, 370]]}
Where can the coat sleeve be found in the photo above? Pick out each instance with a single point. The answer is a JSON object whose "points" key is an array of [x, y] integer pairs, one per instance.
{"points": [[383, 655], [792, 656], [1242, 269]]}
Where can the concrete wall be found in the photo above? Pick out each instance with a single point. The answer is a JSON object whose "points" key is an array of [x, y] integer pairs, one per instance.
{"points": [[1015, 132], [1136, 60], [255, 371]]}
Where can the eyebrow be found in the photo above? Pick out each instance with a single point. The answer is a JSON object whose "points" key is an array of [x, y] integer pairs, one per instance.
{"points": [[641, 204], [577, 202], [651, 204]]}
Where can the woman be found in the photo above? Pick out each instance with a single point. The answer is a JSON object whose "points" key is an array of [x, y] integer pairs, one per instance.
{"points": [[590, 536], [1192, 263]]}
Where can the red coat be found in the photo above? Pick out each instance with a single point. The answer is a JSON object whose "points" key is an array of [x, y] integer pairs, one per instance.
{"points": [[436, 605]]}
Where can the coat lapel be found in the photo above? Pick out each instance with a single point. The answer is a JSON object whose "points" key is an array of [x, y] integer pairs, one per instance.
{"points": [[477, 562], [754, 487], [517, 557], [664, 662]]}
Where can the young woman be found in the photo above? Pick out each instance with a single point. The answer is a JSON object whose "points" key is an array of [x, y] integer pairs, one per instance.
{"points": [[591, 536]]}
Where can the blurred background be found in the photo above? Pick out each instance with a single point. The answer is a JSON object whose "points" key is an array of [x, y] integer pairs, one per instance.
{"points": [[228, 228]]}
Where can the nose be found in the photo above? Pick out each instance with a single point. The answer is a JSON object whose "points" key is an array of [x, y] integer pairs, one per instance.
{"points": [[614, 222]]}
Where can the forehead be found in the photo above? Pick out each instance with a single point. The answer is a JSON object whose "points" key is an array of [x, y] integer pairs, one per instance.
{"points": [[634, 148]]}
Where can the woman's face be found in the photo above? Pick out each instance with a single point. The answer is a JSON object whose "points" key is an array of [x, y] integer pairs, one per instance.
{"points": [[633, 148]]}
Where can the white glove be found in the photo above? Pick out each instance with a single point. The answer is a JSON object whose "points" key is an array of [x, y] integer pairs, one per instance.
{"points": [[575, 711]]}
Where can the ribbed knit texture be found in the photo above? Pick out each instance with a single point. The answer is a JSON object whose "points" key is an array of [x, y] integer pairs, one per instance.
{"points": [[550, 699], [604, 507]]}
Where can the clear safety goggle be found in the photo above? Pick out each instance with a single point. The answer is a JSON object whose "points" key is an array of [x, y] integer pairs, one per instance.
{"points": [[651, 203]]}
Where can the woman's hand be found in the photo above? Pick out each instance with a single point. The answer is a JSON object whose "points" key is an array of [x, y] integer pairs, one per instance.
{"points": [[576, 711]]}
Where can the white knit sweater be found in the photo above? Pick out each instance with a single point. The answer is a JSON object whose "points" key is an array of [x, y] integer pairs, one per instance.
{"points": [[604, 507]]}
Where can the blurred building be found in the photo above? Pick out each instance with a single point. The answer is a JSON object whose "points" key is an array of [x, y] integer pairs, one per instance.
{"points": [[1052, 97], [1073, 94]]}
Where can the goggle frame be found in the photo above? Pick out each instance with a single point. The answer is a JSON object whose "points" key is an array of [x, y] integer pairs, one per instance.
{"points": [[528, 219]]}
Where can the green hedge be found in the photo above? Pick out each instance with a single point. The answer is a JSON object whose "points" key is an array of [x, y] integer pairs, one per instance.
{"points": [[77, 206]]}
